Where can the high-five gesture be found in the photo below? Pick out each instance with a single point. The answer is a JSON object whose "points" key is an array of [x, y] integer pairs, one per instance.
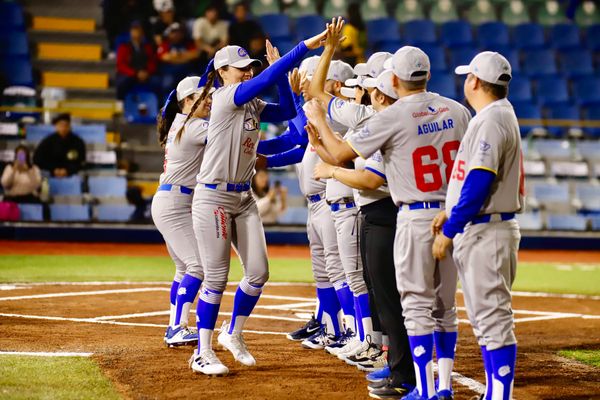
{"points": [[272, 53], [295, 78], [334, 33]]}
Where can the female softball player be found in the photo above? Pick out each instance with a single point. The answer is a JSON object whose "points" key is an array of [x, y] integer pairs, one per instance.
{"points": [[224, 211], [182, 130]]}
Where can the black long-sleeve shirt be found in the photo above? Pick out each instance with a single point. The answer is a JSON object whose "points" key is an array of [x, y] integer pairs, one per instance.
{"points": [[57, 152]]}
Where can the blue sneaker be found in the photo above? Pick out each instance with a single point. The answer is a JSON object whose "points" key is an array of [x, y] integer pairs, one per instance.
{"points": [[319, 340], [181, 336], [415, 395], [379, 375], [445, 395], [345, 337]]}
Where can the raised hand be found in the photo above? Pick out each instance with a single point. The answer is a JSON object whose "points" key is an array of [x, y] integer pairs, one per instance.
{"points": [[316, 41], [313, 135], [295, 78], [323, 171], [272, 53], [334, 32], [315, 112]]}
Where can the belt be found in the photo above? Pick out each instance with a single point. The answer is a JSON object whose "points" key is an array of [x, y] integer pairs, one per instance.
{"points": [[424, 205], [167, 187], [315, 198], [483, 219], [340, 206], [229, 187]]}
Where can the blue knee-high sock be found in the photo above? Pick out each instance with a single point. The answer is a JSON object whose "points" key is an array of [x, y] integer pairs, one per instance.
{"points": [[319, 311], [445, 347], [186, 294], [173, 302], [363, 319], [422, 350], [358, 328], [487, 365], [206, 316], [503, 360], [346, 299], [330, 305], [245, 299]]}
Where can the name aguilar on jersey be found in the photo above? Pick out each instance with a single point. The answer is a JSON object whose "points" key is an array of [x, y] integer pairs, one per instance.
{"points": [[436, 126]]}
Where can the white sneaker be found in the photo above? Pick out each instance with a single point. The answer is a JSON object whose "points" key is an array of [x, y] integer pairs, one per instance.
{"points": [[207, 363], [349, 348], [235, 344], [364, 346]]}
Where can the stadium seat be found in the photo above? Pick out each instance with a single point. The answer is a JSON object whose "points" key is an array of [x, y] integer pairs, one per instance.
{"points": [[551, 13], [276, 26], [443, 84], [589, 149], [13, 43], [389, 46], [11, 16], [418, 33], [593, 114], [135, 112], [437, 58], [576, 63], [520, 89], [595, 222], [528, 110], [284, 45], [586, 91], [409, 10], [587, 14], [265, 7], [565, 36], [456, 34], [294, 216], [530, 221], [461, 56], [31, 212], [334, 8], [593, 37], [302, 8], [529, 36], [90, 134], [70, 186], [481, 12], [17, 71], [492, 34], [539, 63], [570, 169], [514, 13], [382, 30], [554, 196], [553, 149], [589, 196], [443, 11], [566, 222], [534, 168], [308, 26], [36, 133], [107, 186], [552, 91], [373, 9], [563, 112], [114, 212], [70, 212]]}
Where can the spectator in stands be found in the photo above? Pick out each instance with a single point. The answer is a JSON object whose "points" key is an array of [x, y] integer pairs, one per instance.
{"points": [[117, 16], [210, 33], [62, 153], [21, 180], [178, 55], [166, 18], [353, 47], [136, 63], [271, 202], [243, 30]]}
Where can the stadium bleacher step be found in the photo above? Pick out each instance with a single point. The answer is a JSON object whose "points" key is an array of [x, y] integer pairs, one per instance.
{"points": [[42, 23], [68, 51], [92, 109], [80, 80]]}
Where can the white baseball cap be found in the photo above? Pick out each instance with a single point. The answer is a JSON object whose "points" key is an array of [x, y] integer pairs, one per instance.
{"points": [[188, 86], [409, 64], [358, 81], [488, 66], [383, 83], [340, 71], [374, 65], [235, 56], [348, 92], [163, 5], [309, 65]]}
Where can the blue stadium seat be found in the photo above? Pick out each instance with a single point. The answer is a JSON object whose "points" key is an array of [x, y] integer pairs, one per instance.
{"points": [[552, 91], [595, 221], [576, 63], [565, 36], [593, 114], [529, 36], [586, 91], [11, 16], [134, 114], [70, 186], [308, 26], [294, 216], [566, 222], [437, 57], [443, 84], [36, 133], [589, 149], [276, 25], [114, 212], [31, 212], [589, 195], [17, 71], [520, 89], [90, 134], [561, 111], [593, 38], [527, 110], [70, 212], [284, 45], [456, 34], [554, 149], [461, 56], [13, 43], [382, 30], [107, 186], [417, 33], [389, 46], [539, 63], [551, 193], [530, 221], [492, 34]]}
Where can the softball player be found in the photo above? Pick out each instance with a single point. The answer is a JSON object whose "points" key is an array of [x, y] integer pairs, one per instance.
{"points": [[418, 137], [485, 192], [183, 139], [224, 211]]}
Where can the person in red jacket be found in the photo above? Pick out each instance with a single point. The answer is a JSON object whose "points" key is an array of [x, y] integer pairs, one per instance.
{"points": [[136, 63]]}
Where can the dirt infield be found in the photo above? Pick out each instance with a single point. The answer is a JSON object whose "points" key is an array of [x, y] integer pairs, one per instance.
{"points": [[129, 349]]}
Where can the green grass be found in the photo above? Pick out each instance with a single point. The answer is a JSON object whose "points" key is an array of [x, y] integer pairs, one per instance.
{"points": [[27, 377], [536, 277], [590, 357]]}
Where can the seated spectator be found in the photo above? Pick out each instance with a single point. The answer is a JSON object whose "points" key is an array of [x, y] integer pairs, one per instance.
{"points": [[271, 202], [352, 49], [166, 18], [178, 55], [21, 180], [62, 153], [136, 63], [242, 30], [210, 33], [117, 16]]}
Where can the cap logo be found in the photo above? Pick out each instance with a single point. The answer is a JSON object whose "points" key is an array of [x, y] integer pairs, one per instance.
{"points": [[418, 64], [242, 52]]}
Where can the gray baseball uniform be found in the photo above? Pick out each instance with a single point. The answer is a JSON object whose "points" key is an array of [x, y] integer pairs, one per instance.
{"points": [[492, 143], [223, 217], [171, 208], [418, 137]]}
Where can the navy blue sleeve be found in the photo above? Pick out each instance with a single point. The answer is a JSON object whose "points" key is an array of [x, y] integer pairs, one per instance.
{"points": [[283, 111], [250, 89], [284, 142], [475, 191], [299, 122], [288, 158]]}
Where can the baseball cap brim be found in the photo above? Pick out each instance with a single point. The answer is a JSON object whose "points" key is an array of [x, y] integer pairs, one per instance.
{"points": [[246, 62], [361, 69], [351, 82], [369, 83], [462, 70], [348, 92]]}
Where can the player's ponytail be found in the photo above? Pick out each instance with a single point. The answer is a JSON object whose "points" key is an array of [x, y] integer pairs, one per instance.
{"points": [[166, 116], [210, 81]]}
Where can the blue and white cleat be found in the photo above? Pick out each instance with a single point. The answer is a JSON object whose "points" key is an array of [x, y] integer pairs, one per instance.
{"points": [[181, 336], [415, 395], [319, 340], [345, 337], [207, 363], [379, 375]]}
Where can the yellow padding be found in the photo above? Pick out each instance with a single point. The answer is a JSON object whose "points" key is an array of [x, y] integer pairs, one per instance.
{"points": [[64, 24], [148, 188], [80, 80], [68, 51], [113, 137]]}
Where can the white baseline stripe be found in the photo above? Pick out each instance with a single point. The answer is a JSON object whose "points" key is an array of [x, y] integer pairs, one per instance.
{"points": [[159, 313], [290, 306], [93, 293], [44, 354]]}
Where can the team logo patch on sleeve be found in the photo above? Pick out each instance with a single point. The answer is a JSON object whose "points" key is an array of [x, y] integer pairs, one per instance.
{"points": [[339, 103], [484, 146]]}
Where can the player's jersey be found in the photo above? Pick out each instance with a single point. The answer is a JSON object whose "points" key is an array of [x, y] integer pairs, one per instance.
{"points": [[233, 136], [492, 143], [305, 171], [183, 158], [375, 165], [418, 136]]}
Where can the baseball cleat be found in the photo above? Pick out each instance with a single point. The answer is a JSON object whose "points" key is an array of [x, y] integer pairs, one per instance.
{"points": [[234, 342], [378, 385], [181, 336], [345, 337], [415, 395], [353, 347], [379, 374], [374, 364], [445, 395], [371, 352], [208, 363], [309, 329], [319, 340], [388, 391]]}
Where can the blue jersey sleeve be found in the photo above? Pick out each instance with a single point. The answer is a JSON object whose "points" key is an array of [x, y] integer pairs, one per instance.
{"points": [[283, 111], [284, 142], [475, 191], [291, 157], [299, 121]]}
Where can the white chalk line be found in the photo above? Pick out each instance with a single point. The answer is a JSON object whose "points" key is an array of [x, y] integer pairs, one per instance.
{"points": [[44, 354], [469, 383]]}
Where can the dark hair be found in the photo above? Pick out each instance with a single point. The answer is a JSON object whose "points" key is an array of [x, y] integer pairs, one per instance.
{"points": [[498, 91], [354, 17], [27, 154], [414, 85], [61, 117], [165, 117], [205, 92], [389, 100]]}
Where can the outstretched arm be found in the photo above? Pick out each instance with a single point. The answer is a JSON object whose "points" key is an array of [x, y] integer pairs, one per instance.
{"points": [[291, 157], [317, 85], [360, 179]]}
